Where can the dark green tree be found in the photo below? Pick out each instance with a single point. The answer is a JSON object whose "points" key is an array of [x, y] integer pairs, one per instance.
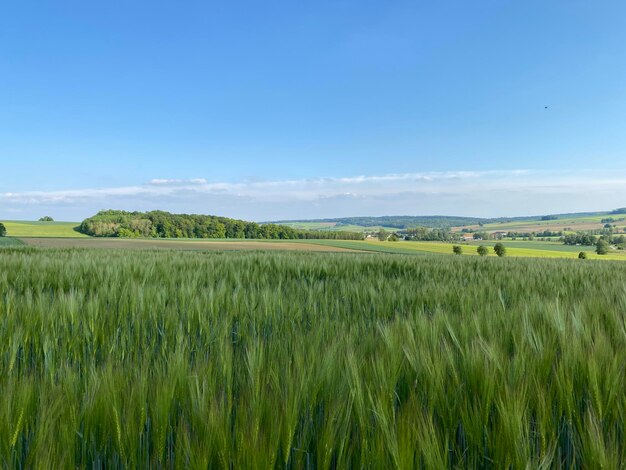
{"points": [[46, 218], [3, 230], [582, 255], [602, 247], [457, 250], [499, 249], [382, 235], [482, 250]]}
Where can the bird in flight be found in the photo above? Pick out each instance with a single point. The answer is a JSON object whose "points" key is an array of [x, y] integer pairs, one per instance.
{"points": [[545, 107]]}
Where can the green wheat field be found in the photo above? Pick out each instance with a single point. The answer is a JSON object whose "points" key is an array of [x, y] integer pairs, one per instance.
{"points": [[170, 359]]}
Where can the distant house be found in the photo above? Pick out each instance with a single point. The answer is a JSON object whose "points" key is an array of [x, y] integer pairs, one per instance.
{"points": [[498, 235], [467, 237]]}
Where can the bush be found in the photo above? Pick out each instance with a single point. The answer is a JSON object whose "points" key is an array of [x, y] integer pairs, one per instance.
{"points": [[457, 250], [499, 249], [126, 233], [482, 250], [582, 255]]}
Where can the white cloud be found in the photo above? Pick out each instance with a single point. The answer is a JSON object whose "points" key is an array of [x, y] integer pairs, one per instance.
{"points": [[177, 182], [479, 193]]}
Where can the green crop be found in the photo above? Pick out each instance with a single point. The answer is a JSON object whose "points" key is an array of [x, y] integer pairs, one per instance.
{"points": [[168, 359]]}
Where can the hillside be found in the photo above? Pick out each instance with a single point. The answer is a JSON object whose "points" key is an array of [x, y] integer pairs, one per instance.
{"points": [[434, 221]]}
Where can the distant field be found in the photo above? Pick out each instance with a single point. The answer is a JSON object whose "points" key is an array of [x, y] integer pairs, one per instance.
{"points": [[573, 223], [310, 225], [175, 244], [563, 223], [524, 249], [333, 226], [536, 245], [20, 229], [514, 248]]}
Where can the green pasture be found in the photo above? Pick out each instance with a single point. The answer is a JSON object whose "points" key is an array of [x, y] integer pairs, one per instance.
{"points": [[20, 229]]}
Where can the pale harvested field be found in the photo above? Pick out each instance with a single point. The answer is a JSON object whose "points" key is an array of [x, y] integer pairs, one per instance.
{"points": [[180, 244], [537, 227]]}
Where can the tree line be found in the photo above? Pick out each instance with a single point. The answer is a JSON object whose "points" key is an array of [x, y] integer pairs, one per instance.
{"points": [[589, 239], [430, 234], [161, 224]]}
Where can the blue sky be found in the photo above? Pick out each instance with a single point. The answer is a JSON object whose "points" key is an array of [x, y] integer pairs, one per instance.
{"points": [[266, 110]]}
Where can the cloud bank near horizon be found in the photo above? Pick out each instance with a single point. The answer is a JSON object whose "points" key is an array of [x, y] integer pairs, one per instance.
{"points": [[470, 193]]}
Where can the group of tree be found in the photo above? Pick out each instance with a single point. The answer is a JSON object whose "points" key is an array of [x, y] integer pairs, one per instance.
{"points": [[160, 224], [499, 249], [584, 239], [548, 233], [589, 239], [46, 218]]}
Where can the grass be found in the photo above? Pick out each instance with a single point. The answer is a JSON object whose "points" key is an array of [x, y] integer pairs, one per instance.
{"points": [[167, 359], [23, 229]]}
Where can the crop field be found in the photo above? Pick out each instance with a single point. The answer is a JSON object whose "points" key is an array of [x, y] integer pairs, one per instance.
{"points": [[42, 229], [171, 359]]}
